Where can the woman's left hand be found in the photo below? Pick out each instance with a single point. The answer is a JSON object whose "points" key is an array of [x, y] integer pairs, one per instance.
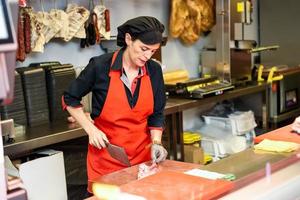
{"points": [[158, 153]]}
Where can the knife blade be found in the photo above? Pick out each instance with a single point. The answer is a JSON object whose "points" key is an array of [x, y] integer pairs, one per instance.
{"points": [[117, 153]]}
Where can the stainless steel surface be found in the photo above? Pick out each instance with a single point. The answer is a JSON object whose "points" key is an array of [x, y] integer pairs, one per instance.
{"points": [[243, 44], [237, 92], [243, 21], [240, 44], [180, 104], [265, 109], [7, 128], [281, 182], [241, 62], [43, 135], [231, 21], [57, 132], [208, 62], [288, 115], [223, 40], [244, 163]]}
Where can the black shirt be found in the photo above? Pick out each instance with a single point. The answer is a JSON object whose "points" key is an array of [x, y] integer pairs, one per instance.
{"points": [[95, 78]]}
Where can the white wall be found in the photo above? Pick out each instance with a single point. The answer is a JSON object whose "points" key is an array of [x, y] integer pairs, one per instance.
{"points": [[174, 54]]}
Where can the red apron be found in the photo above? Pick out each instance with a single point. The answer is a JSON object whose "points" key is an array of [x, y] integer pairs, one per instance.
{"points": [[124, 126]]}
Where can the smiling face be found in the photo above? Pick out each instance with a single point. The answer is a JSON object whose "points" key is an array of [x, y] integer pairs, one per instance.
{"points": [[138, 52]]}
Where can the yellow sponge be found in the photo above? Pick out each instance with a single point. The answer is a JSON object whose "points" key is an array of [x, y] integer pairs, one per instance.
{"points": [[276, 146], [106, 191]]}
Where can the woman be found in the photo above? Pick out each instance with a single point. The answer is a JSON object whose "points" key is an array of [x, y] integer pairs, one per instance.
{"points": [[128, 99]]}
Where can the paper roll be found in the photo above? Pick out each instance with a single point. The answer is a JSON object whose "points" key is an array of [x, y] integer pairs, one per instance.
{"points": [[176, 76]]}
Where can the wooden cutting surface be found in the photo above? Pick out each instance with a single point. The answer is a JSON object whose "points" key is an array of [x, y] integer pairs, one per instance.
{"points": [[129, 174], [243, 165], [177, 186], [282, 134], [169, 183]]}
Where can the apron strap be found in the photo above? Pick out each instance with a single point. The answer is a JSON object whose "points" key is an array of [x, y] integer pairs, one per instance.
{"points": [[114, 58]]}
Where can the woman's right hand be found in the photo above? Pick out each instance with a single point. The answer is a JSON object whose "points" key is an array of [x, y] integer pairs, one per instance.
{"points": [[71, 119], [97, 138]]}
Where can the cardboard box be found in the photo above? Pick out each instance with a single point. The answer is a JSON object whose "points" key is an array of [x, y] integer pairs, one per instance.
{"points": [[44, 176], [193, 154]]}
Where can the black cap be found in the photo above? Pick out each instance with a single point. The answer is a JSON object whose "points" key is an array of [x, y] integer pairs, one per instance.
{"points": [[145, 28]]}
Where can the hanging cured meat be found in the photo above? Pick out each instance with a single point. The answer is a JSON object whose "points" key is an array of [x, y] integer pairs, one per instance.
{"points": [[78, 15], [95, 25], [190, 18], [46, 27], [27, 32], [208, 13], [21, 45], [63, 17], [103, 20], [179, 13], [107, 20]]}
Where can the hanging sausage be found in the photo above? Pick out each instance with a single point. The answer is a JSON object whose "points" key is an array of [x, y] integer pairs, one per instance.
{"points": [[107, 20], [21, 45], [27, 32], [103, 16], [95, 24]]}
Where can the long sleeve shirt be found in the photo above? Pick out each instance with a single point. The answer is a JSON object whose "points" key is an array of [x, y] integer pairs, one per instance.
{"points": [[95, 78]]}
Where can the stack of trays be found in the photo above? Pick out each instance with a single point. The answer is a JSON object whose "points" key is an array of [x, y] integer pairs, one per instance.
{"points": [[16, 110], [44, 64], [35, 95], [58, 78]]}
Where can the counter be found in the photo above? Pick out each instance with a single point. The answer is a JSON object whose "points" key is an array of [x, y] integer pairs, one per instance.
{"points": [[41, 136], [272, 174], [248, 166], [175, 107], [48, 134]]}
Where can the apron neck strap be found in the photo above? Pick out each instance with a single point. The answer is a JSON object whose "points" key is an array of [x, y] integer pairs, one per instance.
{"points": [[114, 58]]}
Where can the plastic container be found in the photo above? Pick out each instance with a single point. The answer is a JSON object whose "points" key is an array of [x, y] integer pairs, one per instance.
{"points": [[192, 138]]}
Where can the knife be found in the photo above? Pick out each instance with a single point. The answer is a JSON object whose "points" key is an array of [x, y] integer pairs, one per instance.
{"points": [[117, 153]]}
